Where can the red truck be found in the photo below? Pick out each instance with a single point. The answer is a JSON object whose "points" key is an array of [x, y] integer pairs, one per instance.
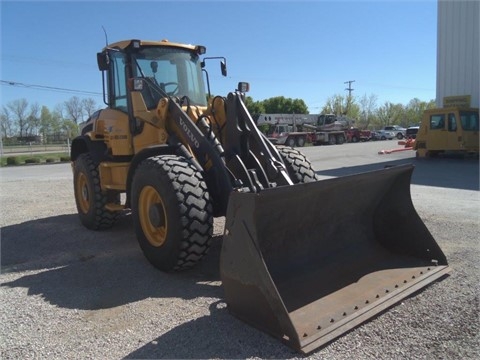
{"points": [[355, 135]]}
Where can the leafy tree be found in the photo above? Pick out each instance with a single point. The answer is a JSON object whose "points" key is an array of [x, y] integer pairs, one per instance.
{"points": [[20, 116], [89, 105], [282, 105], [390, 114], [367, 106], [415, 109], [6, 123], [48, 123], [33, 119], [74, 109], [299, 107], [334, 105], [254, 107], [342, 105], [70, 128]]}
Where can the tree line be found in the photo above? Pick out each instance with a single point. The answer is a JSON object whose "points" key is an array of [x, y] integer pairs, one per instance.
{"points": [[364, 110], [20, 119]]}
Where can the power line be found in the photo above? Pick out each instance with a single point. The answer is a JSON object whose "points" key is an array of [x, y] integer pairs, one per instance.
{"points": [[49, 88]]}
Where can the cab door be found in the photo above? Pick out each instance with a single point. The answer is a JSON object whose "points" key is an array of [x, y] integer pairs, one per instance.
{"points": [[437, 133], [454, 134]]}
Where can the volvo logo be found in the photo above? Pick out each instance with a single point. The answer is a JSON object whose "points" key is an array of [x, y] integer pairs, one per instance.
{"points": [[189, 133]]}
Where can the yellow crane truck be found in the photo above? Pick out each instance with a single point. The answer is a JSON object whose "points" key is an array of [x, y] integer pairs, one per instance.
{"points": [[295, 261]]}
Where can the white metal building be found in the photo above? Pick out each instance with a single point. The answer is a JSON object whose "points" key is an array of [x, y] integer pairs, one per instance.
{"points": [[458, 50]]}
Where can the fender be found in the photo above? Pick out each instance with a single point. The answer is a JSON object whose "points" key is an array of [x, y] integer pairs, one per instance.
{"points": [[163, 149], [82, 144]]}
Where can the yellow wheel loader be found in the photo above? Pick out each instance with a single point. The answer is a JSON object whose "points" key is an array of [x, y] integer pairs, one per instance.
{"points": [[302, 259]]}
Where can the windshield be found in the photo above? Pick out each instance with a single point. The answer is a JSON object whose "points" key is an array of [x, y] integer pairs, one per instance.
{"points": [[469, 120], [174, 70]]}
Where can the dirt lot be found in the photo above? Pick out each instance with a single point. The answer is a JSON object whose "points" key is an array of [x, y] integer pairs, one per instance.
{"points": [[67, 292]]}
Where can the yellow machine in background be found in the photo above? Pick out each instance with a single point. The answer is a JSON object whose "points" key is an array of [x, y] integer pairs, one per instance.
{"points": [[453, 128]]}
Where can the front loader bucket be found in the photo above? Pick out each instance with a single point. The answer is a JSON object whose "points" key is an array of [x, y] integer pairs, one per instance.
{"points": [[308, 262]]}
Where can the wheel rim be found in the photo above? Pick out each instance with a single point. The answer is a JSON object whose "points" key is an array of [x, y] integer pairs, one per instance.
{"points": [[151, 212], [83, 193]]}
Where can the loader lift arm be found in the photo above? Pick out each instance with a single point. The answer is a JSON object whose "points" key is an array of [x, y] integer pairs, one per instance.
{"points": [[246, 162], [249, 155], [208, 153]]}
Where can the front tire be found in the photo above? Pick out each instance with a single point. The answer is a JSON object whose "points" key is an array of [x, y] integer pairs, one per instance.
{"points": [[89, 197], [172, 212], [298, 166]]}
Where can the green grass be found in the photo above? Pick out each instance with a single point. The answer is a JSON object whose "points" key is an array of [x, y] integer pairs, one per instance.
{"points": [[49, 158]]}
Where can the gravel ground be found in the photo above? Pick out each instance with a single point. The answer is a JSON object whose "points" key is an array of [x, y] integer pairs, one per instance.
{"points": [[70, 293]]}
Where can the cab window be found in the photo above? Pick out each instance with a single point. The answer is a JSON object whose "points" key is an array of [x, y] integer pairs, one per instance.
{"points": [[171, 71], [437, 122], [469, 120], [118, 84]]}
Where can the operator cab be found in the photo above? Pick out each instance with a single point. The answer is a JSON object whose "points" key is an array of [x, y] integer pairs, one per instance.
{"points": [[157, 69]]}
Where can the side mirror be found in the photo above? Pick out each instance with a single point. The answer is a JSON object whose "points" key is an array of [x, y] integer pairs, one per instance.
{"points": [[102, 61], [223, 66]]}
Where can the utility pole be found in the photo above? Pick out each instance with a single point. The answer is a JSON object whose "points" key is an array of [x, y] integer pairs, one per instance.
{"points": [[349, 89]]}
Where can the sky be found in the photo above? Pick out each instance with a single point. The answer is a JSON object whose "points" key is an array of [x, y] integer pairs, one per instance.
{"points": [[297, 49]]}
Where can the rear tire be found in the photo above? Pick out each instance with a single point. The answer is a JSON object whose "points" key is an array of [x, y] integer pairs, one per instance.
{"points": [[290, 142], [298, 166], [89, 197], [172, 212], [301, 141]]}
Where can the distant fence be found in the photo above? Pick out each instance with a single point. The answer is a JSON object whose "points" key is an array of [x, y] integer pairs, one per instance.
{"points": [[34, 148]]}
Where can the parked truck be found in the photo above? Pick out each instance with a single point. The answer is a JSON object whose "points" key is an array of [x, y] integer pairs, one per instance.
{"points": [[449, 129], [283, 134], [399, 131], [354, 135], [317, 129]]}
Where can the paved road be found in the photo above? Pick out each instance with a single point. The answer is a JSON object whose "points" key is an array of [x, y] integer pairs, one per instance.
{"points": [[38, 172], [330, 161], [67, 292]]}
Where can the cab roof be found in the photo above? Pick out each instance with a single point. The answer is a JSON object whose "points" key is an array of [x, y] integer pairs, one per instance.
{"points": [[123, 44]]}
